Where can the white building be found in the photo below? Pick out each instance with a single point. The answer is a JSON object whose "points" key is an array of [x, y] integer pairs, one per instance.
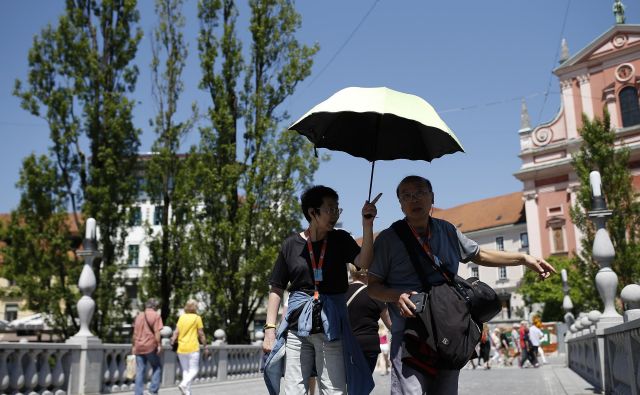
{"points": [[496, 223]]}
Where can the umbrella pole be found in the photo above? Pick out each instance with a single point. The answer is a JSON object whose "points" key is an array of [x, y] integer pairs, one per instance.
{"points": [[373, 165]]}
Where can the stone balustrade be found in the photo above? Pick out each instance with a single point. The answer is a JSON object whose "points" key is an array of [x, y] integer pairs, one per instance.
{"points": [[35, 368], [51, 368], [606, 355]]}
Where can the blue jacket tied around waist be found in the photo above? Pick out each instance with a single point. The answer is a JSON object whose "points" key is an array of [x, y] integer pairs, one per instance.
{"points": [[335, 322]]}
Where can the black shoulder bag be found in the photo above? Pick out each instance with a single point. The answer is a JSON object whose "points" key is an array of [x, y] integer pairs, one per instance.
{"points": [[482, 300], [450, 327]]}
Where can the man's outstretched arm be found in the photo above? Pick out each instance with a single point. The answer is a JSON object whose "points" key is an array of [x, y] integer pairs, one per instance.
{"points": [[493, 258]]}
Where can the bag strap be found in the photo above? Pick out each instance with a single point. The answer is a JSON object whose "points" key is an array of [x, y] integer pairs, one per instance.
{"points": [[404, 233], [148, 324], [355, 294]]}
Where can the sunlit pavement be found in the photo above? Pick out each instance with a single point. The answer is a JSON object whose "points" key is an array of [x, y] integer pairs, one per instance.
{"points": [[551, 379]]}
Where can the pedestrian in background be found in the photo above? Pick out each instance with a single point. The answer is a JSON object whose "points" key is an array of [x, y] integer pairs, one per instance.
{"points": [[537, 322], [515, 339], [485, 346], [384, 336], [147, 347], [535, 335], [525, 346], [189, 330], [364, 314], [505, 349], [495, 345]]}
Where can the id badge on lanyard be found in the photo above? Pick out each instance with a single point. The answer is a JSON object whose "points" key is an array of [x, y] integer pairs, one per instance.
{"points": [[317, 275]]}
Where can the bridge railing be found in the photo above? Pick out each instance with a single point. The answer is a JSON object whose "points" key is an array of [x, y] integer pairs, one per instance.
{"points": [[55, 368], [608, 358]]}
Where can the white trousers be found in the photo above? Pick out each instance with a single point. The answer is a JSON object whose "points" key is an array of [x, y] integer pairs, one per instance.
{"points": [[305, 352], [190, 364]]}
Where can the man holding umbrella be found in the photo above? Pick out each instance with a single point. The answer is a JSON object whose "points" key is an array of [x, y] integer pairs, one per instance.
{"points": [[392, 277]]}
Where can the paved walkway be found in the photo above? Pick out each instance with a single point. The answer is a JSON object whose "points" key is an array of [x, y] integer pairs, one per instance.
{"points": [[551, 379]]}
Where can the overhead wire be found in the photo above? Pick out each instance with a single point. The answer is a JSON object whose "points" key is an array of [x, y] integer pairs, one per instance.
{"points": [[555, 60], [344, 44]]}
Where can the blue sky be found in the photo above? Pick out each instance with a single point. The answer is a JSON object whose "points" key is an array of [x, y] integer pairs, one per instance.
{"points": [[473, 61]]}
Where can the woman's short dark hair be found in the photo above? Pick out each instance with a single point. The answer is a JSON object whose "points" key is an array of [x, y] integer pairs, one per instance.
{"points": [[416, 180], [314, 197]]}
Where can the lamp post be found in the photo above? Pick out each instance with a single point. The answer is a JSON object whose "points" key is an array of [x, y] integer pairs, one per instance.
{"points": [[87, 284], [603, 253]]}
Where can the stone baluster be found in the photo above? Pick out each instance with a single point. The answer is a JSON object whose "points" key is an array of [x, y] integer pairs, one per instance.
{"points": [[44, 370], [631, 298], [4, 374], [30, 373], [17, 374], [603, 253], [57, 375], [113, 371]]}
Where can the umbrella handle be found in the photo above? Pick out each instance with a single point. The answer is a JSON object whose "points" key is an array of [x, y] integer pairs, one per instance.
{"points": [[373, 165]]}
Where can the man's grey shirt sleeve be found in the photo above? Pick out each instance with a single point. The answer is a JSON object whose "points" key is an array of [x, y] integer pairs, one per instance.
{"points": [[380, 265], [469, 249]]}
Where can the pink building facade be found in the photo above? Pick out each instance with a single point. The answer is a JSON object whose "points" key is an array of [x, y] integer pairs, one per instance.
{"points": [[603, 75]]}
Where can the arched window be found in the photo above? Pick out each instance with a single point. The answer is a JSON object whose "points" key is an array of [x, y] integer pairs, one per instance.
{"points": [[629, 107]]}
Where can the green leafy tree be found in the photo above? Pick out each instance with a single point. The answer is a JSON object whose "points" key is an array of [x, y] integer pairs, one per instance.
{"points": [[39, 255], [598, 152], [249, 174], [550, 292], [167, 172], [80, 75]]}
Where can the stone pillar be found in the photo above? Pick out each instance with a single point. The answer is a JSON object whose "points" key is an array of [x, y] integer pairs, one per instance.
{"points": [[585, 94], [86, 363], [610, 100], [533, 223], [566, 87], [169, 358]]}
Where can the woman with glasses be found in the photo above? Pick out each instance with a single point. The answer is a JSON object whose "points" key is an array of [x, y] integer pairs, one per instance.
{"points": [[315, 332]]}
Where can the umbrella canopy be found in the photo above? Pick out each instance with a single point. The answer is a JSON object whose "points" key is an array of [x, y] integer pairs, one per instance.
{"points": [[378, 124]]}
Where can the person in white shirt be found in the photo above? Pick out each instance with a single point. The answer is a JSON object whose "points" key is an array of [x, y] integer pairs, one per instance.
{"points": [[535, 334]]}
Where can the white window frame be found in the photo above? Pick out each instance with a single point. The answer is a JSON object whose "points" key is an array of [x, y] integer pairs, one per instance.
{"points": [[502, 273], [129, 257]]}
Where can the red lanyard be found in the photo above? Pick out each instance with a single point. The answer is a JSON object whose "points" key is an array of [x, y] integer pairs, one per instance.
{"points": [[317, 268], [427, 249]]}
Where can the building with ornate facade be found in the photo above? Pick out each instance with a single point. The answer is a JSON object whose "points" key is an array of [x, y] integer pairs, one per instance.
{"points": [[604, 75]]}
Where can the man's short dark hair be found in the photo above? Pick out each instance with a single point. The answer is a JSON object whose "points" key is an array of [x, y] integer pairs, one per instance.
{"points": [[414, 180], [314, 197]]}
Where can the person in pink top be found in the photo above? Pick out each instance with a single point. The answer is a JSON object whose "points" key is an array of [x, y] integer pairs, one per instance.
{"points": [[147, 347], [383, 334]]}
